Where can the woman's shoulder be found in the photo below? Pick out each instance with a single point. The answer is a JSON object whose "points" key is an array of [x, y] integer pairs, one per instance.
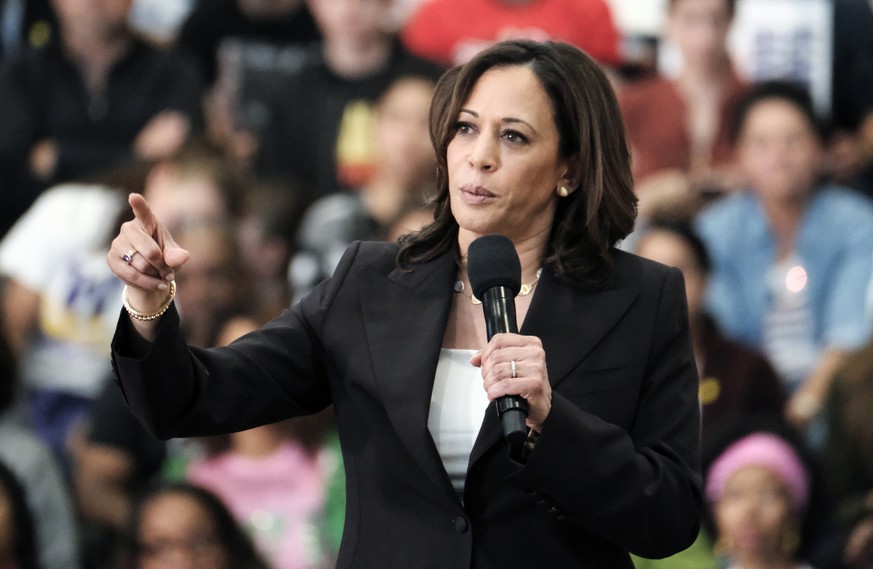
{"points": [[629, 269]]}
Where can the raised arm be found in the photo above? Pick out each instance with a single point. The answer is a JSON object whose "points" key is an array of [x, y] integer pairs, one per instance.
{"points": [[144, 256]]}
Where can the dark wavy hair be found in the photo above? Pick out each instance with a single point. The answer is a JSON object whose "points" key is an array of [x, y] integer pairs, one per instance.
{"points": [[234, 540], [591, 137]]}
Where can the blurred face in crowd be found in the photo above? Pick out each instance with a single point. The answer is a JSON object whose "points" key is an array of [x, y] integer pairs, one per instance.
{"points": [[753, 515], [97, 18], [178, 197], [208, 283], [176, 532], [699, 28], [401, 130], [351, 21], [670, 249], [503, 161], [779, 151]]}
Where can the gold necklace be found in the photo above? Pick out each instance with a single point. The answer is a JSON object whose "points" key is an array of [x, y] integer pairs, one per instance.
{"points": [[525, 288]]}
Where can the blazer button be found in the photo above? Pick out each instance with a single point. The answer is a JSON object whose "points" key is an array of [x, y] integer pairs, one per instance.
{"points": [[461, 524]]}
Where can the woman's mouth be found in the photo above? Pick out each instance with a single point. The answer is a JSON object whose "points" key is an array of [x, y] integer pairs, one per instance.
{"points": [[475, 194]]}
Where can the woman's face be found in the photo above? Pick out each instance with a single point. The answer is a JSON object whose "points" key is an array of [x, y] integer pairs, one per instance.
{"points": [[700, 29], [503, 161], [753, 514], [778, 151], [176, 532], [669, 249]]}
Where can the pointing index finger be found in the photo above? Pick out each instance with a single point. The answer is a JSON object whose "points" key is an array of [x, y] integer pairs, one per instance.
{"points": [[143, 212]]}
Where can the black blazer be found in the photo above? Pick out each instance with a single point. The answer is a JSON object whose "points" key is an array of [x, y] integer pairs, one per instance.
{"points": [[615, 468]]}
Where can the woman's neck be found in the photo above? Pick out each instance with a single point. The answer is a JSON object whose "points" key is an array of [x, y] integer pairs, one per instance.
{"points": [[531, 252]]}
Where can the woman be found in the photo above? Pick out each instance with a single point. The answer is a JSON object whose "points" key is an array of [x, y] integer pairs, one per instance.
{"points": [[528, 144], [180, 525], [791, 257]]}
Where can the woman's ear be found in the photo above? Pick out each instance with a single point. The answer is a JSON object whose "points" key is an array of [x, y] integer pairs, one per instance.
{"points": [[570, 180]]}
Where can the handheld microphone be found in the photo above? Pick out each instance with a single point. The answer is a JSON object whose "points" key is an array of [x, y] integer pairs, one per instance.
{"points": [[495, 275]]}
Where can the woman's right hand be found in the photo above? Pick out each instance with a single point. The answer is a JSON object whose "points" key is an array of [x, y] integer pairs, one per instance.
{"points": [[144, 256]]}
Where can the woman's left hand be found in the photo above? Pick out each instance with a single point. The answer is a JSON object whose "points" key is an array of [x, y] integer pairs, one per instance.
{"points": [[531, 379]]}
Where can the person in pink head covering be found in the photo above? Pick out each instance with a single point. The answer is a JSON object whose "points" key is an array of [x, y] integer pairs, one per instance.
{"points": [[759, 489]]}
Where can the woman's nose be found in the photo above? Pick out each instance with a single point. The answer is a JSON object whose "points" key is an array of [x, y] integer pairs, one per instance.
{"points": [[483, 154]]}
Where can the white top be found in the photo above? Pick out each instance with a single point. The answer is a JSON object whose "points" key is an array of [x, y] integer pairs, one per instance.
{"points": [[58, 250], [789, 335], [457, 407]]}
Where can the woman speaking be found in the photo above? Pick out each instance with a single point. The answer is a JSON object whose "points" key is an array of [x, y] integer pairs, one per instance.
{"points": [[530, 145]]}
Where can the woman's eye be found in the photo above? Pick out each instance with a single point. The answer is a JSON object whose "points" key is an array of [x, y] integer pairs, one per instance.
{"points": [[514, 137], [463, 127]]}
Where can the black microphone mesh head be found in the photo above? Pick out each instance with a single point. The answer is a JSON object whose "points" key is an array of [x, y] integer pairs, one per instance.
{"points": [[492, 261]]}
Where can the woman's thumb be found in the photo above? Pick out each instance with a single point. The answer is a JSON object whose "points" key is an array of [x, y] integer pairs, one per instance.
{"points": [[175, 256]]}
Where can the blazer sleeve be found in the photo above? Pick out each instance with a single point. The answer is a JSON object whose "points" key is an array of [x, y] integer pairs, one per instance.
{"points": [[641, 488], [268, 375]]}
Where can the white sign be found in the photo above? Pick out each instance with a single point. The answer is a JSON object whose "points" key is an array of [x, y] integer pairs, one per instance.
{"points": [[786, 39]]}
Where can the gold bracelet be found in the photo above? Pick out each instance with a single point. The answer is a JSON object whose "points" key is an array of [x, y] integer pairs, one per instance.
{"points": [[157, 314]]}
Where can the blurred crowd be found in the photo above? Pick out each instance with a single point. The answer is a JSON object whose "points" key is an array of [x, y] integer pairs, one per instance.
{"points": [[269, 134]]}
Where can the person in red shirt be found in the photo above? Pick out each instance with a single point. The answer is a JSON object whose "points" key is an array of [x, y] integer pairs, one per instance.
{"points": [[453, 31]]}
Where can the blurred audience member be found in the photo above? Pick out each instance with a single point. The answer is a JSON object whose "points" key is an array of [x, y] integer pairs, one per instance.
{"points": [[180, 526], [91, 100], [453, 31], [678, 128], [403, 176], [852, 142], [277, 22], [849, 457], [18, 546], [115, 460], [274, 480], [215, 283], [320, 133], [60, 301], [763, 498], [735, 381], [54, 542], [791, 257], [267, 229], [411, 219]]}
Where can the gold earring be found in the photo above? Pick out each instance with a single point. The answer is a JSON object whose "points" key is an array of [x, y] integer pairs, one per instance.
{"points": [[563, 191]]}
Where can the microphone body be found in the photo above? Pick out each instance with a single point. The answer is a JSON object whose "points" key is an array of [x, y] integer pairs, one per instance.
{"points": [[495, 274], [498, 303]]}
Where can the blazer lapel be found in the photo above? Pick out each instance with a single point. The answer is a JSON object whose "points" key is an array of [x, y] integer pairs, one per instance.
{"points": [[570, 324], [405, 316]]}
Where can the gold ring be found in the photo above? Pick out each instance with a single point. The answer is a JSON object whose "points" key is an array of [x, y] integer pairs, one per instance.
{"points": [[513, 368]]}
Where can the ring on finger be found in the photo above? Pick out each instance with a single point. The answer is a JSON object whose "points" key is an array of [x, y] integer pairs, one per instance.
{"points": [[513, 367], [128, 257]]}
